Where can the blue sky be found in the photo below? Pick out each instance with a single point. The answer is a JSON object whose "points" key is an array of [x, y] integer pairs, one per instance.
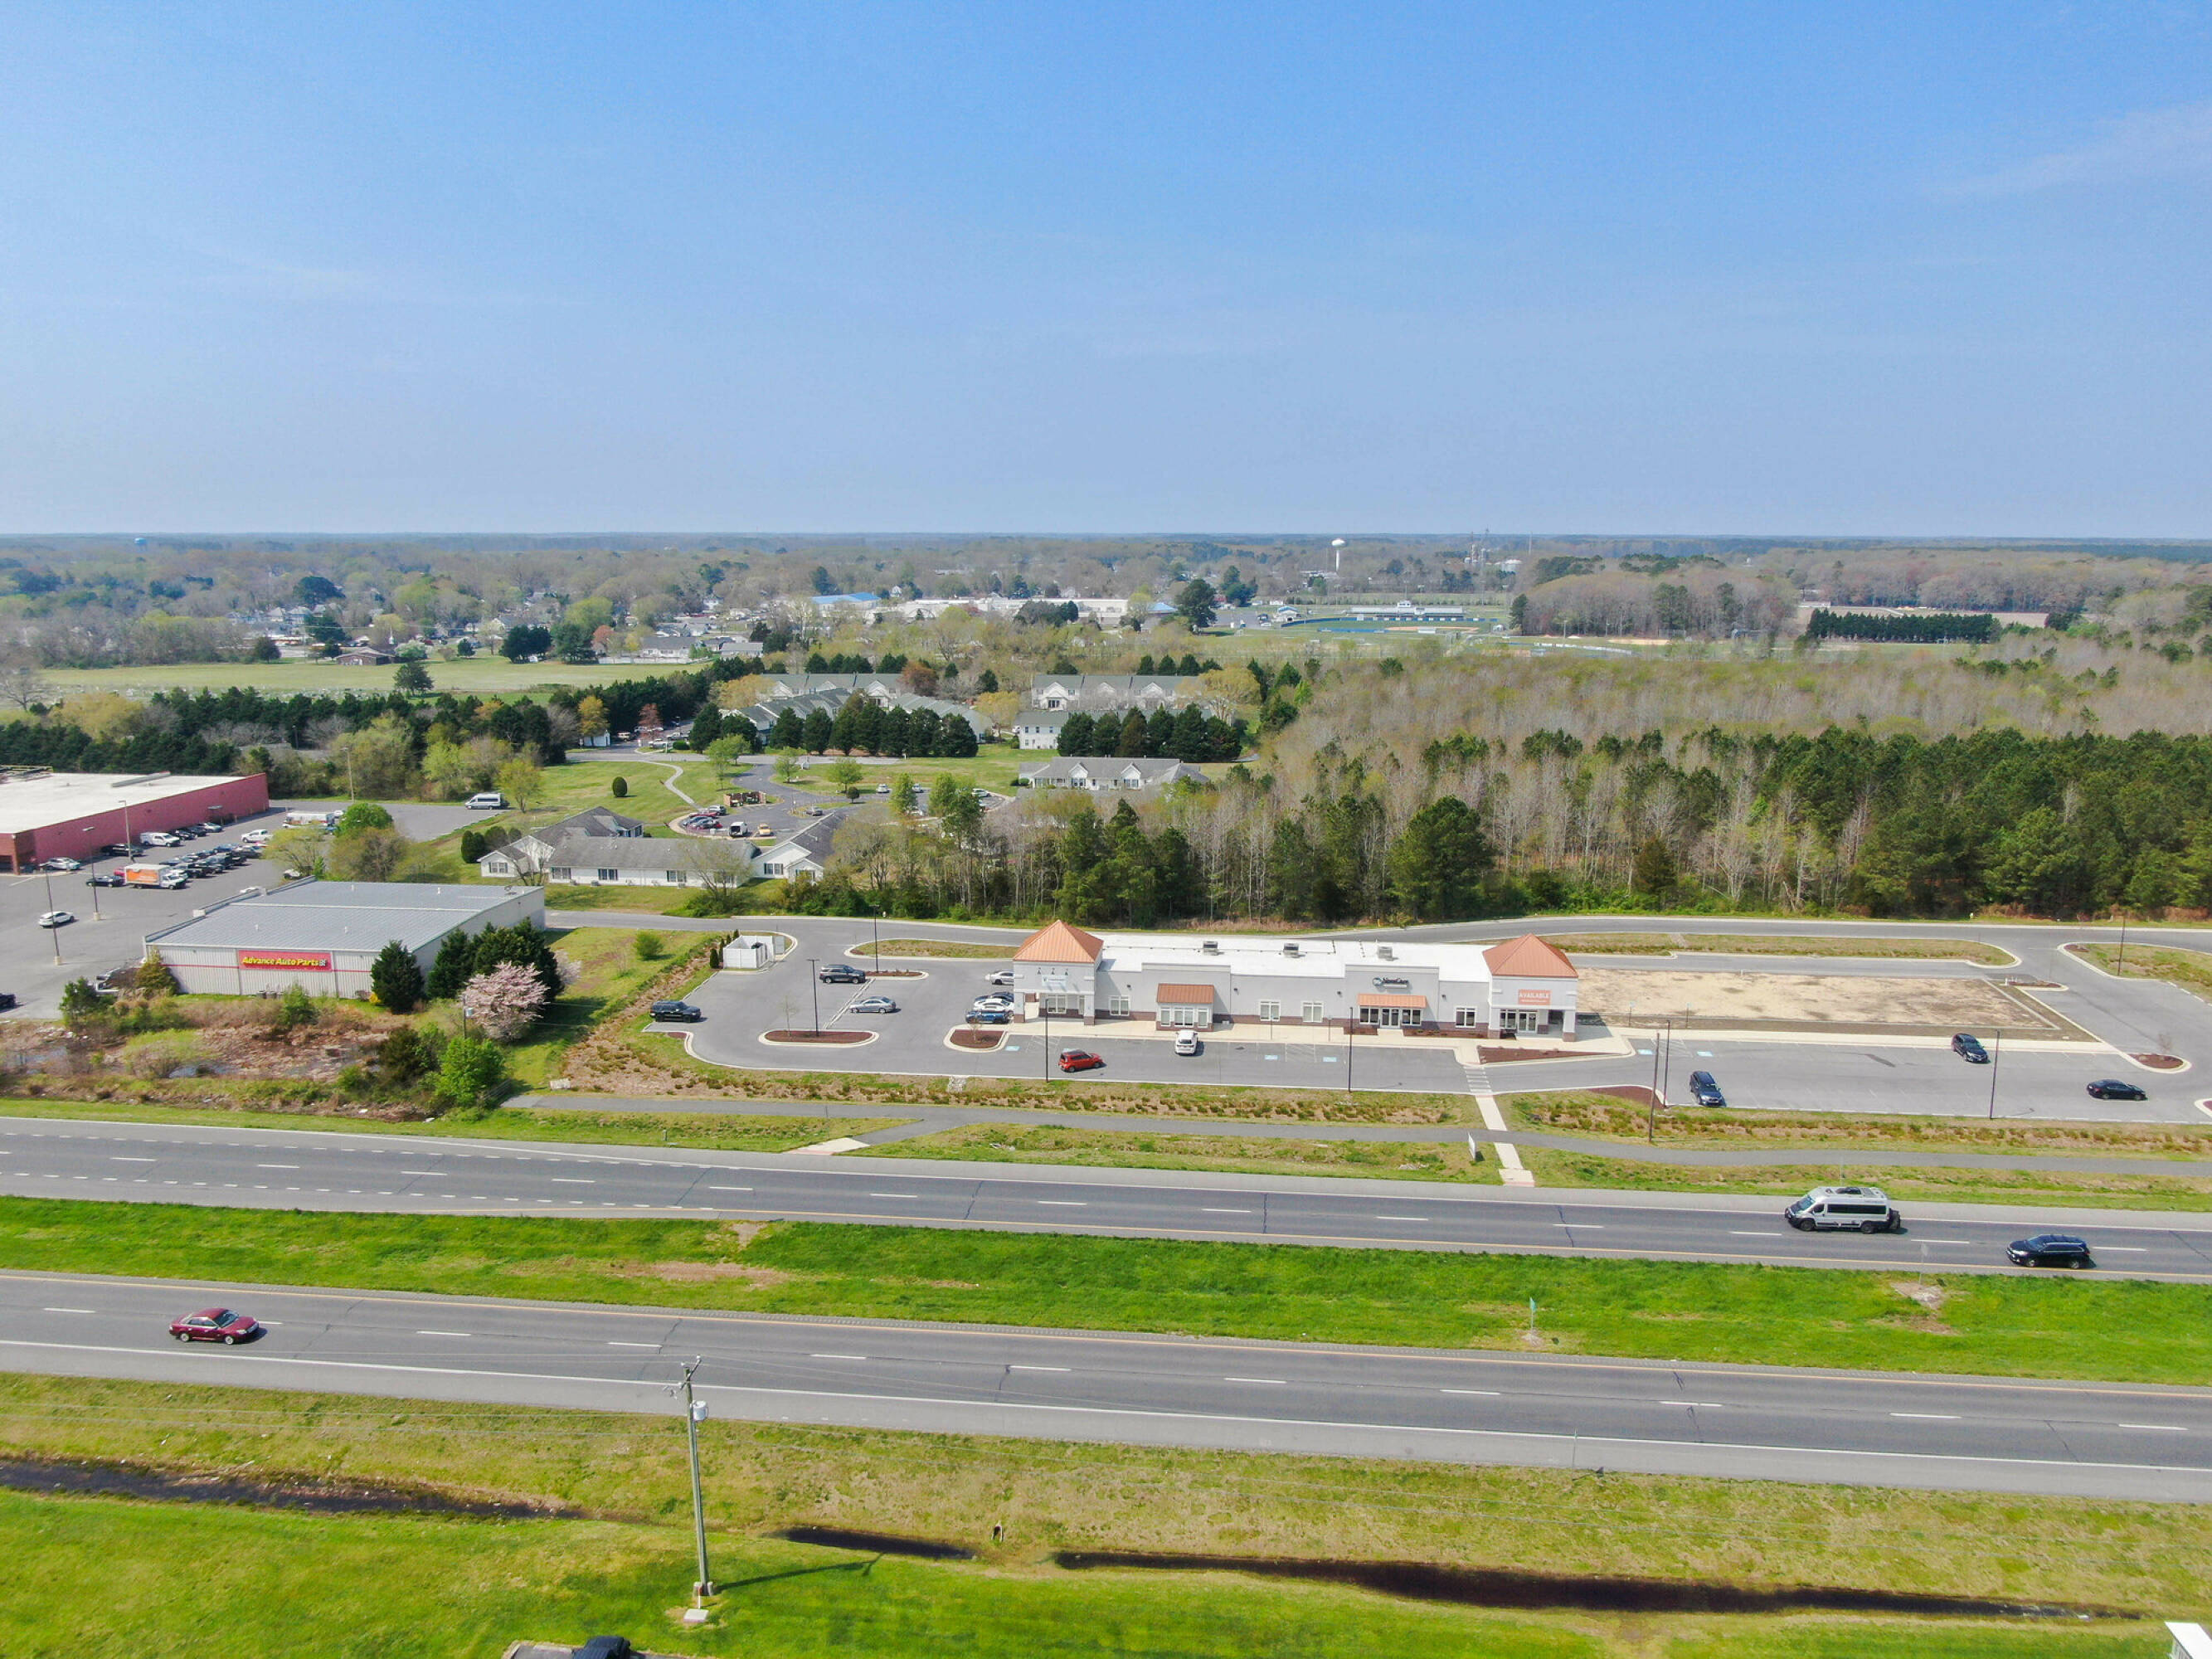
{"points": [[1862, 269]]}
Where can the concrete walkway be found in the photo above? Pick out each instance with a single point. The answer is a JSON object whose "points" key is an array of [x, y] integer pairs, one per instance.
{"points": [[934, 1120]]}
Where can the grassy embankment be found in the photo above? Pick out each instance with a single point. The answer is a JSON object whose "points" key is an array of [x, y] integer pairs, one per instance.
{"points": [[949, 949], [404, 1585], [1837, 1136], [1782, 944], [2116, 1330], [2191, 969], [1015, 1143]]}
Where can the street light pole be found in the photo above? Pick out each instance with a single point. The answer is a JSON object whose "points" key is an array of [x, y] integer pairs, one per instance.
{"points": [[695, 1413], [814, 982], [1996, 1053], [55, 931], [2121, 966]]}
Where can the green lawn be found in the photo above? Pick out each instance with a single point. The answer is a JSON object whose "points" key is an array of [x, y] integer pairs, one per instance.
{"points": [[481, 675], [2189, 969], [1013, 1143], [2041, 1187], [2116, 1330], [707, 1130], [614, 974], [96, 1577]]}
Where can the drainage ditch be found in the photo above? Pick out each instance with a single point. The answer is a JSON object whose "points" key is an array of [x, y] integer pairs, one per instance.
{"points": [[317, 1497]]}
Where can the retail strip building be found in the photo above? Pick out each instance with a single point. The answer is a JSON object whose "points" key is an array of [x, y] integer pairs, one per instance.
{"points": [[1523, 986]]}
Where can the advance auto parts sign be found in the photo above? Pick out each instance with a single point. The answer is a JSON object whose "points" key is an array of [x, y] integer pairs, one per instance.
{"points": [[294, 961]]}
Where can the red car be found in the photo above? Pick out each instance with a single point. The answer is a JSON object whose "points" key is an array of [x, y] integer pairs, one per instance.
{"points": [[1079, 1060], [213, 1325]]}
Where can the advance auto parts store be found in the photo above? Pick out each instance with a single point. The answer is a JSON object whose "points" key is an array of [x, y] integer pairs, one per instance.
{"points": [[324, 936]]}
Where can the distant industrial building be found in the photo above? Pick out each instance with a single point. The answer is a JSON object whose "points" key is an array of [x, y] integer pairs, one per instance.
{"points": [[325, 935], [47, 815]]}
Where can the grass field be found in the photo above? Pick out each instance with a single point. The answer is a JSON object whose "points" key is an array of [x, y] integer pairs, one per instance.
{"points": [[2191, 969], [951, 950], [1581, 1112], [480, 675], [613, 975], [2046, 1188], [1782, 944], [2113, 1330], [1010, 1143], [622, 1478], [707, 1130], [403, 1587]]}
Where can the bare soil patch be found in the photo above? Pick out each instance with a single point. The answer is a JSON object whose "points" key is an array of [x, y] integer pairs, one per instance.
{"points": [[1638, 995], [966, 1039]]}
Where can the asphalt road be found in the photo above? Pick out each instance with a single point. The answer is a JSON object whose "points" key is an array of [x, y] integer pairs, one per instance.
{"points": [[1824, 1072], [317, 1171], [2093, 1440]]}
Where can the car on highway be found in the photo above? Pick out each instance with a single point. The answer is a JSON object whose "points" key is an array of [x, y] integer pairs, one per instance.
{"points": [[989, 1016], [1000, 976], [1969, 1049], [1079, 1060], [2049, 1250], [221, 1325], [2112, 1088], [874, 1005], [1704, 1090], [1186, 1043], [1845, 1209], [678, 1010], [61, 866], [840, 972], [56, 919]]}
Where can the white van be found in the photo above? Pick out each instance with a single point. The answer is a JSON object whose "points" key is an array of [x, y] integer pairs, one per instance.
{"points": [[1845, 1209], [489, 800]]}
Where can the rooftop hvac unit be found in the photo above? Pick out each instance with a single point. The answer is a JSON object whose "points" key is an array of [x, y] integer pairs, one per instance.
{"points": [[1211, 947], [1384, 953], [1289, 949]]}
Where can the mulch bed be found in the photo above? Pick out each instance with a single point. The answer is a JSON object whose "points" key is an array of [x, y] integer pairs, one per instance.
{"points": [[978, 1039], [2160, 1062], [818, 1037]]}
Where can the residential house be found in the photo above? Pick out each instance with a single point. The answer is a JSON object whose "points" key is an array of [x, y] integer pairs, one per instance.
{"points": [[529, 855], [1094, 694], [1107, 773], [805, 851], [1039, 728]]}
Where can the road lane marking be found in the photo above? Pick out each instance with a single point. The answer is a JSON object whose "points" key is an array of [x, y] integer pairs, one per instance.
{"points": [[1065, 1203], [569, 1181], [1929, 1417], [76, 1310], [1599, 1226], [443, 1333], [1272, 1382], [1917, 1239], [836, 1356], [266, 1166], [1736, 1232], [633, 1345], [418, 1172], [894, 1195], [2125, 1249], [1701, 1405], [1062, 1368], [130, 1160], [1400, 1217], [2162, 1428], [1210, 1210], [729, 1189], [1487, 1394]]}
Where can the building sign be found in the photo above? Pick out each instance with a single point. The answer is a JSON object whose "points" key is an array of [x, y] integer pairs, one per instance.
{"points": [[1536, 998], [296, 961], [1394, 984]]}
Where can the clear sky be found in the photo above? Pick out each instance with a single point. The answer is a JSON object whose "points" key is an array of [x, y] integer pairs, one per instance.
{"points": [[1795, 268]]}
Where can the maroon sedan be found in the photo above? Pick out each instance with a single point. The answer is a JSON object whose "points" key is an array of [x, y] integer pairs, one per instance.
{"points": [[213, 1325], [1079, 1060]]}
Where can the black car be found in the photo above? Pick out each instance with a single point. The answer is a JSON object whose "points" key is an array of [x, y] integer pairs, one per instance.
{"points": [[105, 878], [1970, 1049], [839, 972], [606, 1647], [1704, 1090], [6, 1000], [680, 1011], [2112, 1088], [2049, 1250]]}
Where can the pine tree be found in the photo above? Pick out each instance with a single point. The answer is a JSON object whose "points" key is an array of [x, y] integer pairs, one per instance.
{"points": [[395, 978], [1076, 734], [456, 961]]}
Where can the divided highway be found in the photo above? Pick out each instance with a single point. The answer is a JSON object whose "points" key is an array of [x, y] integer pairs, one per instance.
{"points": [[318, 1170], [2082, 1439]]}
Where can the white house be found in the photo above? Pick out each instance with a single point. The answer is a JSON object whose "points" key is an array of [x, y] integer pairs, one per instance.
{"points": [[528, 854], [1106, 772], [804, 852]]}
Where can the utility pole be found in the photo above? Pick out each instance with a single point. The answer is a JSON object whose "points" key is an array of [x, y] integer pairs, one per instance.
{"points": [[2121, 966], [1996, 1053], [695, 1413]]}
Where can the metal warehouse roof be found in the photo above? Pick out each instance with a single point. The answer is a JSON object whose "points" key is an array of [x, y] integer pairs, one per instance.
{"points": [[337, 915], [27, 804]]}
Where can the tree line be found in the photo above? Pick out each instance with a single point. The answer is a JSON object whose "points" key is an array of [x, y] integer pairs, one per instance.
{"points": [[1939, 627]]}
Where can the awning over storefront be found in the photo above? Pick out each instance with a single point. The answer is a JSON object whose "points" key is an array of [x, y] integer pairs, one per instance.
{"points": [[1186, 996], [1374, 999]]}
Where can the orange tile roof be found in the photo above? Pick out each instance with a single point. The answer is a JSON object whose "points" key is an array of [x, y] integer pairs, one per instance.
{"points": [[1058, 942], [1528, 958], [1187, 995]]}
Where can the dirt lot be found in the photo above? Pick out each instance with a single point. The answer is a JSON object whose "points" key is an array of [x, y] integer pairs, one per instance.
{"points": [[1809, 998]]}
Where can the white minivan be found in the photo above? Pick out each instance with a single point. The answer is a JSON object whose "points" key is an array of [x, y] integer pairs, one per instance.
{"points": [[489, 800], [1845, 1209]]}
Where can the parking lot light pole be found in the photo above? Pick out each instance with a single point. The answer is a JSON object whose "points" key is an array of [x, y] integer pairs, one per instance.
{"points": [[1996, 1053], [814, 982], [56, 932], [1044, 1008]]}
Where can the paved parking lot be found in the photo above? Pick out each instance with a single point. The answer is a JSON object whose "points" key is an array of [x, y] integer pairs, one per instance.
{"points": [[740, 1006], [111, 922]]}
